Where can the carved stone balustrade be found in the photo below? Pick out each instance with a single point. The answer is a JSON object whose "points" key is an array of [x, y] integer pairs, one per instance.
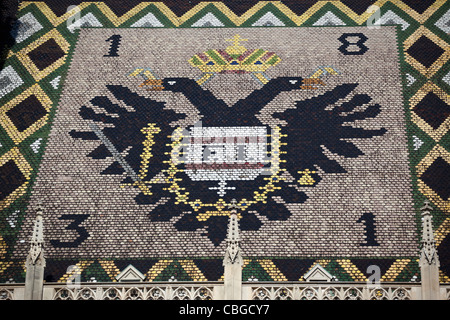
{"points": [[214, 291]]}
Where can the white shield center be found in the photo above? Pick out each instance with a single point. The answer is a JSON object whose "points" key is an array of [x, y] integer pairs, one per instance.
{"points": [[225, 154]]}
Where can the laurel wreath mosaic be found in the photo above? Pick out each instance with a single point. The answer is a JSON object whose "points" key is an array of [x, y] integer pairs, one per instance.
{"points": [[138, 131]]}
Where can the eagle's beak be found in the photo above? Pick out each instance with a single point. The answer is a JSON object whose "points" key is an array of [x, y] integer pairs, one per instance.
{"points": [[153, 84], [308, 84]]}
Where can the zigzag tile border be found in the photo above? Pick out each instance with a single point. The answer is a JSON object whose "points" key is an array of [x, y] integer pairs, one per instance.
{"points": [[423, 78]]}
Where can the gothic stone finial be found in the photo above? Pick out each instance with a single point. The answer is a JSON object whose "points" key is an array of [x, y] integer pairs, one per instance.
{"points": [[36, 253], [428, 244], [233, 206], [426, 206], [233, 252]]}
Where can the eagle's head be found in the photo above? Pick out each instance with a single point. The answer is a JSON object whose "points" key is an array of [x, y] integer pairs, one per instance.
{"points": [[293, 83], [169, 84]]}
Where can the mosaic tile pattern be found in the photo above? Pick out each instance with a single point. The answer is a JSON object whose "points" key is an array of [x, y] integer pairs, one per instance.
{"points": [[185, 200], [39, 68]]}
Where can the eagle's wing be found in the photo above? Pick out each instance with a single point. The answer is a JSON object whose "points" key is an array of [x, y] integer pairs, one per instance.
{"points": [[325, 121], [125, 131]]}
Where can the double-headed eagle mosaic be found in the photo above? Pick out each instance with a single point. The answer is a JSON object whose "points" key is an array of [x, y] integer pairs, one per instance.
{"points": [[191, 175]]}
